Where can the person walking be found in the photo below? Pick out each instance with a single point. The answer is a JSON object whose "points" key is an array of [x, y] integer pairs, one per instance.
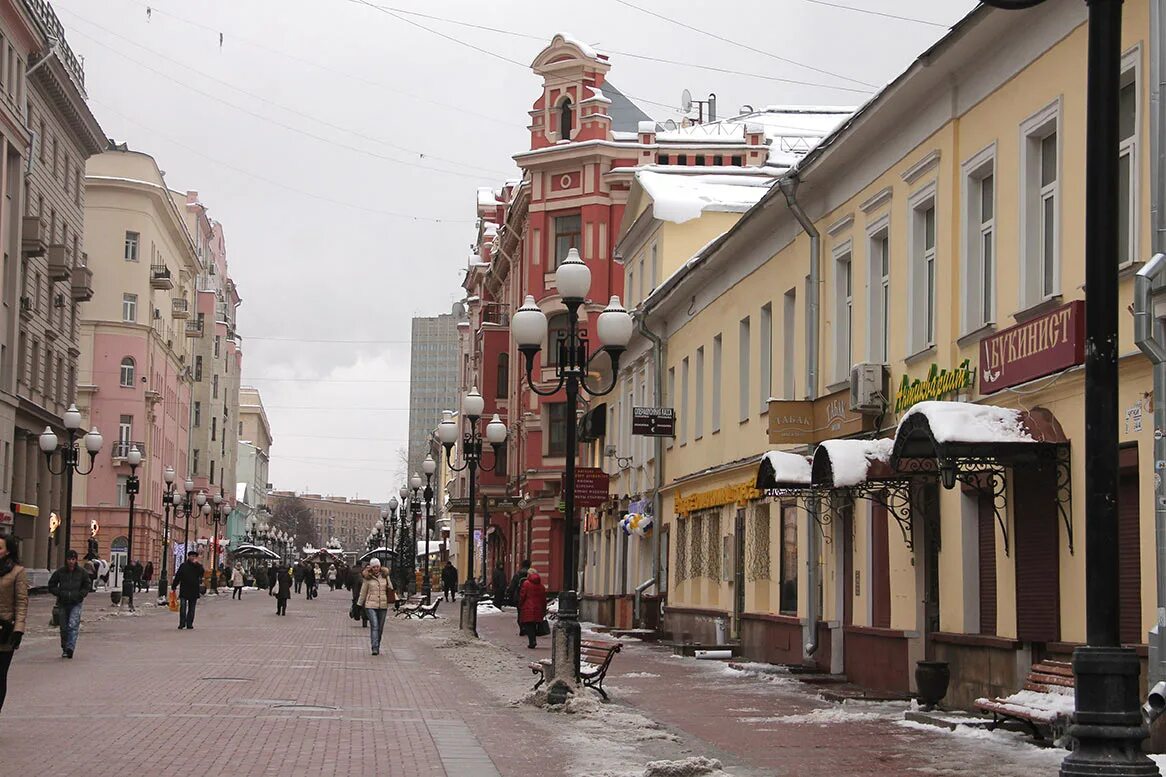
{"points": [[376, 594], [354, 574], [188, 583], [332, 577], [449, 582], [70, 585], [310, 581], [298, 576], [237, 582], [281, 588], [13, 607], [515, 585], [532, 606], [498, 584], [147, 575]]}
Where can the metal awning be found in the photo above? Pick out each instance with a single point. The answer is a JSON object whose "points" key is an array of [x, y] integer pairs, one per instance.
{"points": [[861, 469], [781, 473], [254, 551], [382, 553]]}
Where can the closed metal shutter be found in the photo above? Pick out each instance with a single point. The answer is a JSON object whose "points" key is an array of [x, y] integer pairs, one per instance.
{"points": [[987, 531], [1129, 560], [880, 574], [1038, 579]]}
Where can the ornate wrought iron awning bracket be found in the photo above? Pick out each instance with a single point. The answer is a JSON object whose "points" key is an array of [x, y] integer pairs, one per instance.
{"points": [[1059, 458], [987, 476], [802, 499], [894, 496]]}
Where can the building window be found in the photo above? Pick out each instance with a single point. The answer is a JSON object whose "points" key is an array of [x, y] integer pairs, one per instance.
{"points": [[788, 603], [698, 420], [194, 465], [215, 387], [682, 159], [127, 372], [129, 307], [218, 340], [765, 368], [843, 313], [662, 159], [125, 433], [133, 241], [743, 365], [557, 330], [198, 368], [718, 160], [211, 473], [214, 427], [123, 498], [980, 268], [1040, 211], [567, 232], [198, 413], [1127, 192], [789, 308], [557, 429], [716, 414], [503, 388], [684, 401], [923, 268], [668, 441], [566, 120], [880, 295]]}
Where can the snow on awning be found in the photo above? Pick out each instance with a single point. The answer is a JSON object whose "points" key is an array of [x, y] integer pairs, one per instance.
{"points": [[254, 551], [955, 430], [780, 470], [847, 463]]}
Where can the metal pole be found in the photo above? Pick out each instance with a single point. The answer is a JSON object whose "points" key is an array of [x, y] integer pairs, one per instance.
{"points": [[427, 585], [186, 525], [69, 454], [574, 366], [163, 582], [131, 492], [472, 450]]}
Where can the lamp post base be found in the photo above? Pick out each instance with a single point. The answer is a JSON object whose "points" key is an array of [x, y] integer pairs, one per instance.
{"points": [[565, 649], [469, 612], [1107, 727]]}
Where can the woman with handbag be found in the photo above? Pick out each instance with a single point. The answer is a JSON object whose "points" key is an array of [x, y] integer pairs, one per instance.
{"points": [[376, 594], [532, 607], [13, 607], [281, 586]]}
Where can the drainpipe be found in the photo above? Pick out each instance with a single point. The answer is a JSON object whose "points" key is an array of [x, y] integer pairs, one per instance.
{"points": [[658, 443], [789, 187], [1149, 331]]}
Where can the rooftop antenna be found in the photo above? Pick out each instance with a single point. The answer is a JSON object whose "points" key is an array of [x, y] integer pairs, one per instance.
{"points": [[686, 103]]}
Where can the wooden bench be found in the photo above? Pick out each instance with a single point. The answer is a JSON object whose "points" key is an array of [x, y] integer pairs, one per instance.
{"points": [[1045, 702], [406, 607], [595, 659], [423, 611]]}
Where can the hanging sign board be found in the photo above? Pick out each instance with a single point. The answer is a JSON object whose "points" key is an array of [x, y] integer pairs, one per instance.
{"points": [[654, 421], [800, 421], [591, 487], [1042, 346], [938, 384]]}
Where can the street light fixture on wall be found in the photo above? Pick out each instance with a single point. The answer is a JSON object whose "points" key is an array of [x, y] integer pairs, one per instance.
{"points": [[70, 458], [447, 433]]}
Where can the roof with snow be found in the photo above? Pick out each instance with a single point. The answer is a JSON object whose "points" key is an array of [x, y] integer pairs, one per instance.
{"points": [[845, 463], [679, 198], [950, 431], [782, 470], [625, 115], [791, 131]]}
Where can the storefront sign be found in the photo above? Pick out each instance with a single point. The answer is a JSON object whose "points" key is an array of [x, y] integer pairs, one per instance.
{"points": [[938, 384], [654, 421], [795, 421], [737, 493], [1042, 346], [591, 487]]}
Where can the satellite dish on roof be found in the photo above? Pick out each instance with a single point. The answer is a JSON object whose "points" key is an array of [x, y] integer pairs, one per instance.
{"points": [[670, 125], [685, 101]]}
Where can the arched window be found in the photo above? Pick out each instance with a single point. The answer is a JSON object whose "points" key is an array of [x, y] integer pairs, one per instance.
{"points": [[503, 376], [127, 372], [556, 326], [566, 122]]}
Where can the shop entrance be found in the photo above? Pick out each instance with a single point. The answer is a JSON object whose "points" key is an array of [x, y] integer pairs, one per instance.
{"points": [[738, 572]]}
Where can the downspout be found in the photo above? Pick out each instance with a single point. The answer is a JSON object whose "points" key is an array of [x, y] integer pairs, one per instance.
{"points": [[658, 443], [1149, 332], [789, 187]]}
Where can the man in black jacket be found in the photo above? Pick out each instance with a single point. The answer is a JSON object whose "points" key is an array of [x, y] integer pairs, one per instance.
{"points": [[515, 584], [449, 582], [498, 583], [70, 584], [188, 583]]}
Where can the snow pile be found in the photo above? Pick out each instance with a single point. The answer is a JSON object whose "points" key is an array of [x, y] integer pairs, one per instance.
{"points": [[850, 460], [644, 675], [487, 608], [680, 198], [965, 422], [788, 467], [847, 712], [1047, 707], [696, 766]]}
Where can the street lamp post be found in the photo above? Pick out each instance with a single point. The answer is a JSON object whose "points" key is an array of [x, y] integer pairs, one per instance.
{"points": [[529, 325], [187, 509], [404, 565], [134, 459], [429, 466], [414, 516], [169, 501], [217, 515], [447, 433], [1107, 723], [70, 458]]}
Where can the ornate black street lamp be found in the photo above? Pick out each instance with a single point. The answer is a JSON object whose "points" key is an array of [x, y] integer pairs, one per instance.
{"points": [[170, 499], [217, 515], [402, 542], [429, 466], [414, 519], [192, 502], [134, 460], [447, 433], [70, 458]]}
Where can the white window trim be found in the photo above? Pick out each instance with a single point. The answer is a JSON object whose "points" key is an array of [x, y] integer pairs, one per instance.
{"points": [[843, 318], [878, 230], [744, 362], [129, 300], [717, 362], [1131, 62], [765, 355], [972, 171], [1039, 125], [919, 201], [698, 397]]}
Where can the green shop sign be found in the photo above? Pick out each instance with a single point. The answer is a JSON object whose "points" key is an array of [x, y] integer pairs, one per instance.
{"points": [[936, 385]]}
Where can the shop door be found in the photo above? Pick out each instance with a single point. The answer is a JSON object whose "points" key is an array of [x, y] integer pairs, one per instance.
{"points": [[1038, 588], [1129, 551], [847, 514], [880, 574], [926, 510], [738, 572]]}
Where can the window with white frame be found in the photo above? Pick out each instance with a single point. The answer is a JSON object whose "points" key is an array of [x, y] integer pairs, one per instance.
{"points": [[1127, 193], [743, 365], [880, 293], [698, 419], [1040, 269], [655, 268], [684, 401], [132, 243], [843, 312], [789, 308], [923, 270], [127, 372], [129, 307], [979, 281], [765, 368], [716, 405]]}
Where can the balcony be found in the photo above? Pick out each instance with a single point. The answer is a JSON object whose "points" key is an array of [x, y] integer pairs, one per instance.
{"points": [[82, 282], [47, 18], [122, 448], [59, 269], [194, 329], [495, 314], [32, 236], [160, 277], [26, 307], [180, 307]]}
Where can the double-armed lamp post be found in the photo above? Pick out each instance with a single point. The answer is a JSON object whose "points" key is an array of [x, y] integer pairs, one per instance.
{"points": [[217, 515], [429, 466], [447, 433], [70, 458], [134, 460], [170, 500]]}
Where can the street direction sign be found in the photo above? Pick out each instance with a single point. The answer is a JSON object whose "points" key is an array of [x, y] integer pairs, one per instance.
{"points": [[654, 421]]}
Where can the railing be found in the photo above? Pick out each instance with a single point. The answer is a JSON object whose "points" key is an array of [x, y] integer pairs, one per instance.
{"points": [[179, 305], [194, 329], [122, 448], [495, 314], [159, 271], [47, 17]]}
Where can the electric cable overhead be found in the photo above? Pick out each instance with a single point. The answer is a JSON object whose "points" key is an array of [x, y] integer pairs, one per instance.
{"points": [[883, 14]]}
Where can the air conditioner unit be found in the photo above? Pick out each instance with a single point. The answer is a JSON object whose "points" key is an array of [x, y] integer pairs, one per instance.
{"points": [[868, 388]]}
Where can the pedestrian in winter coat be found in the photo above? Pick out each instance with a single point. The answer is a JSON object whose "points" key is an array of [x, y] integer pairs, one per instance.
{"points": [[332, 578], [147, 575], [532, 606], [498, 582], [515, 585], [281, 588], [237, 582], [188, 583], [449, 582], [298, 576], [376, 594], [354, 582], [310, 581], [13, 607], [70, 584]]}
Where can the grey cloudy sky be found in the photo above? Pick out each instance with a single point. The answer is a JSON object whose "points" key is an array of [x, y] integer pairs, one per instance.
{"points": [[304, 133]]}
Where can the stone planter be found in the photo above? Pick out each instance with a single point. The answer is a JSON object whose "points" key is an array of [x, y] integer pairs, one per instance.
{"points": [[931, 678], [115, 597]]}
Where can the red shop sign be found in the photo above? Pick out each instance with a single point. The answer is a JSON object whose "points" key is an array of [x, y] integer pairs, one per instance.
{"points": [[1042, 346], [591, 486]]}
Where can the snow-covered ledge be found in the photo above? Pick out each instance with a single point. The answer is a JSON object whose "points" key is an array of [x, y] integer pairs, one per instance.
{"points": [[850, 462], [966, 422], [783, 470]]}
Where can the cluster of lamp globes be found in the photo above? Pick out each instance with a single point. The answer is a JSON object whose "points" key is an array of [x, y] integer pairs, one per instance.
{"points": [[176, 497], [93, 438]]}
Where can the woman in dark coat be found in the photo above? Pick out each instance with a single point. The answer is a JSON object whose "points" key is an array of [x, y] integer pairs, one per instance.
{"points": [[532, 606], [354, 574], [310, 581], [281, 587]]}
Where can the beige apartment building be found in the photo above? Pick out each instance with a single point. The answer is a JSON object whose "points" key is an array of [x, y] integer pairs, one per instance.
{"points": [[255, 440], [348, 520]]}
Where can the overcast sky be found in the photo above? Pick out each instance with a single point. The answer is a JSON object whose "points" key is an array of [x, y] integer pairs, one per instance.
{"points": [[304, 130]]}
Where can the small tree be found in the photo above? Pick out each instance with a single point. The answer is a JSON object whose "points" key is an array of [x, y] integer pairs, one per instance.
{"points": [[292, 515]]}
